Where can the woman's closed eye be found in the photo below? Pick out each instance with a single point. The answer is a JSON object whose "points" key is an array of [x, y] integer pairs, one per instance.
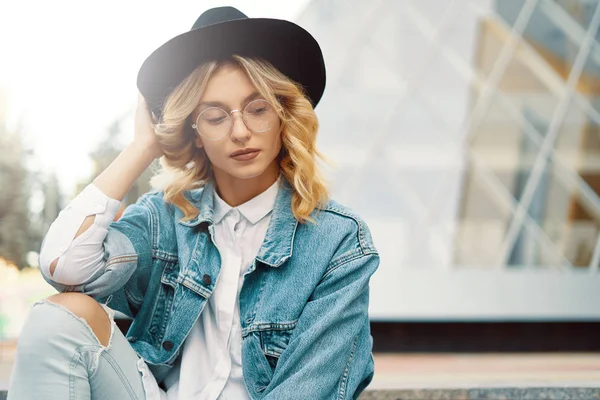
{"points": [[258, 107], [216, 121], [258, 111], [214, 116]]}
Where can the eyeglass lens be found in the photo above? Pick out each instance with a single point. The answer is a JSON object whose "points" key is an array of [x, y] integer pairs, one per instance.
{"points": [[215, 123]]}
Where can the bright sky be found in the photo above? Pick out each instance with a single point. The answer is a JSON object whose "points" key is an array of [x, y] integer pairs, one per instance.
{"points": [[70, 67]]}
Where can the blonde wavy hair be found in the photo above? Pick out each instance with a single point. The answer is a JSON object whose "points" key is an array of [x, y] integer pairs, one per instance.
{"points": [[185, 167]]}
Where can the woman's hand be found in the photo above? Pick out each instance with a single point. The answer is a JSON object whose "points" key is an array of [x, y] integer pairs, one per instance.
{"points": [[144, 135]]}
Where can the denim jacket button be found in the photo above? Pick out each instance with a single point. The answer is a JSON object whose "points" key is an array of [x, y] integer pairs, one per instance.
{"points": [[207, 279], [168, 345]]}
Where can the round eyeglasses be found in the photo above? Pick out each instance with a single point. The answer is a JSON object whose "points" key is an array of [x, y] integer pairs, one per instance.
{"points": [[214, 123]]}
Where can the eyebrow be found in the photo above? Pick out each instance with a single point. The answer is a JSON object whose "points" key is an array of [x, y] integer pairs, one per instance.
{"points": [[248, 99]]}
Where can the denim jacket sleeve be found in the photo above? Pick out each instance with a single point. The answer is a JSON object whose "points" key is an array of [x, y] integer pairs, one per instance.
{"points": [[127, 259], [329, 355]]}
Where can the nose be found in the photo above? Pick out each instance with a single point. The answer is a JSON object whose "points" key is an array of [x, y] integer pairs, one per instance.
{"points": [[239, 130]]}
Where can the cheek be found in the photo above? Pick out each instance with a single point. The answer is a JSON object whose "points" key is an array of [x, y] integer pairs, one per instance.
{"points": [[214, 152]]}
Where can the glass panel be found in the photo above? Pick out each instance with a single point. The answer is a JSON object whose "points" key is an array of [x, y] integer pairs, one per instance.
{"points": [[533, 248], [380, 194], [328, 22], [431, 241], [395, 123], [580, 11], [446, 91], [544, 33], [491, 39], [434, 10], [462, 33], [501, 144], [482, 222], [522, 85], [570, 223], [578, 146], [588, 86], [508, 10]]}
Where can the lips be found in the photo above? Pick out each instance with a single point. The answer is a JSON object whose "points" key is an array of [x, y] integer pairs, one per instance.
{"points": [[244, 154]]}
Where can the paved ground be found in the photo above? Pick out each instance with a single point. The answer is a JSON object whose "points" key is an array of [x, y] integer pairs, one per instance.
{"points": [[406, 371], [400, 371]]}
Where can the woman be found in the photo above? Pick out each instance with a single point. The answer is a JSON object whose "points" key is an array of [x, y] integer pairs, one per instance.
{"points": [[243, 280]]}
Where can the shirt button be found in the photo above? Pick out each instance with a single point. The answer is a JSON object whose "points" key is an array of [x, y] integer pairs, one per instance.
{"points": [[168, 345], [207, 279]]}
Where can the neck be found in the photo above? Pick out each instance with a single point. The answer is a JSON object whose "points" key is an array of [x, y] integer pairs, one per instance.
{"points": [[235, 191]]}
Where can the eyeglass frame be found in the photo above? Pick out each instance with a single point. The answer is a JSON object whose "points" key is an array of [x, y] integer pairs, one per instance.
{"points": [[230, 116]]}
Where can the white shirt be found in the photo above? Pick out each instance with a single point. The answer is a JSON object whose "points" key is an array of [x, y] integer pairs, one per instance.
{"points": [[239, 233], [78, 259]]}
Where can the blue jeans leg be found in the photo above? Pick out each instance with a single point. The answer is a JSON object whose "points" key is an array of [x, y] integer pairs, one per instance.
{"points": [[59, 357]]}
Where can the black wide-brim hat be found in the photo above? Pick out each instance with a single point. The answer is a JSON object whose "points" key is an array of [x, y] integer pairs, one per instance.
{"points": [[222, 32]]}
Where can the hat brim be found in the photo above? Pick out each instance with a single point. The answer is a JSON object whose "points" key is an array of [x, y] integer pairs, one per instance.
{"points": [[287, 46]]}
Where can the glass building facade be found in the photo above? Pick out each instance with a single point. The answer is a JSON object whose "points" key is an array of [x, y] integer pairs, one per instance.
{"points": [[466, 133]]}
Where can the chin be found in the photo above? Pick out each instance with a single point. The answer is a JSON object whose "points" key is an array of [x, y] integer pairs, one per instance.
{"points": [[251, 170], [247, 172]]}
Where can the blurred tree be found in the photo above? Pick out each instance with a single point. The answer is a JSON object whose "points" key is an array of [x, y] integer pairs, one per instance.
{"points": [[45, 202], [30, 199], [14, 213], [108, 149]]}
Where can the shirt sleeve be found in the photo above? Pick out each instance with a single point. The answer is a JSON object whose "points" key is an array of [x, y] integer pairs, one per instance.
{"points": [[80, 258]]}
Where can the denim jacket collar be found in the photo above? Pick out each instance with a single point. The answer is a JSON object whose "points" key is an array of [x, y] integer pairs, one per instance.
{"points": [[279, 239], [277, 246]]}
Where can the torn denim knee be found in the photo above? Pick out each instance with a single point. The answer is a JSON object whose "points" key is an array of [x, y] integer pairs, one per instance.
{"points": [[88, 353]]}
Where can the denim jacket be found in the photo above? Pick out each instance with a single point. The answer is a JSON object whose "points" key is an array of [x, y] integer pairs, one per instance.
{"points": [[303, 303]]}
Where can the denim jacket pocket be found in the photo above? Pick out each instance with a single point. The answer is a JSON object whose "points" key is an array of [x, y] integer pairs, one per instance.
{"points": [[264, 344], [259, 376], [274, 341]]}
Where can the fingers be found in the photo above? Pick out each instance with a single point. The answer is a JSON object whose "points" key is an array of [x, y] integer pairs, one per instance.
{"points": [[144, 104]]}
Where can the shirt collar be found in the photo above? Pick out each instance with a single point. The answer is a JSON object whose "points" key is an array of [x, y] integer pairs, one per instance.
{"points": [[279, 240], [253, 210]]}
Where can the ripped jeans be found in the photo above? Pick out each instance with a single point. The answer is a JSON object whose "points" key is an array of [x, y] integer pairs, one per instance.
{"points": [[59, 357]]}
